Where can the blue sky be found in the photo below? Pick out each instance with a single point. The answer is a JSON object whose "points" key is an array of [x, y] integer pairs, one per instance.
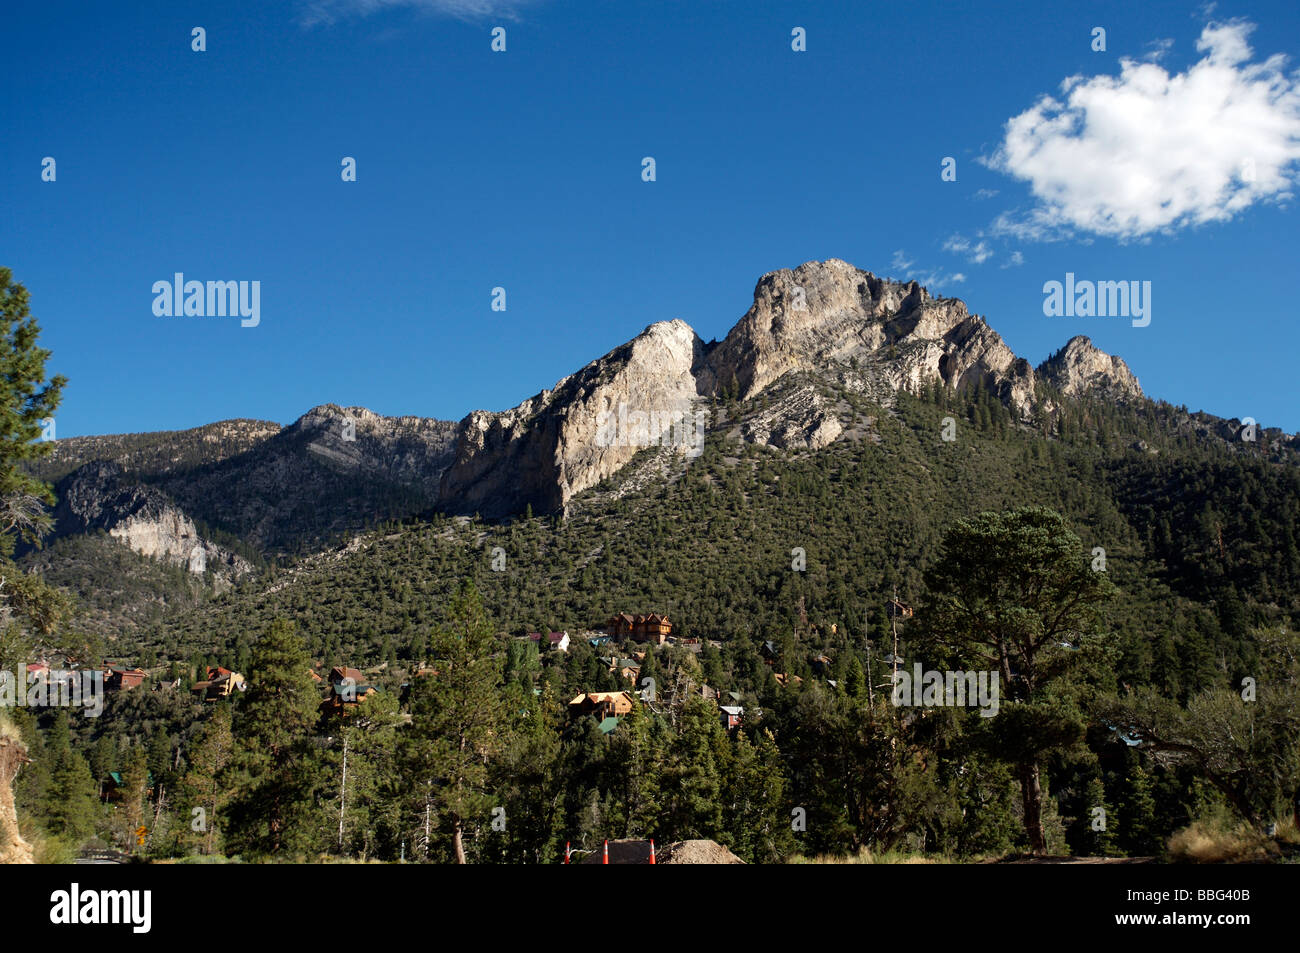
{"points": [[522, 170]]}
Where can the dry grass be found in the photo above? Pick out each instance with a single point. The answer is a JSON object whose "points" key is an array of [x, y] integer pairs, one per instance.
{"points": [[1217, 840]]}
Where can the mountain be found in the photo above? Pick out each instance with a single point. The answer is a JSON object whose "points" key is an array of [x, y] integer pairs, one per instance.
{"points": [[97, 497], [815, 338]]}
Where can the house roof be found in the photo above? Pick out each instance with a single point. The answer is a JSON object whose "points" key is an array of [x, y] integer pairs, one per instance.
{"points": [[608, 724], [599, 697], [733, 709]]}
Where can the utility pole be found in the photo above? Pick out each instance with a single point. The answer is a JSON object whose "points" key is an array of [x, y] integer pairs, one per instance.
{"points": [[893, 615], [871, 691]]}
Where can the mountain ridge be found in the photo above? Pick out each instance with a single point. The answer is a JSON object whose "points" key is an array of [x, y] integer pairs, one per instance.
{"points": [[826, 326]]}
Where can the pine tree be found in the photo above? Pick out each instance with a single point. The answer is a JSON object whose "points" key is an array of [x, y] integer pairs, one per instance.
{"points": [[133, 808], [276, 760], [1009, 589], [204, 794], [70, 806], [457, 716]]}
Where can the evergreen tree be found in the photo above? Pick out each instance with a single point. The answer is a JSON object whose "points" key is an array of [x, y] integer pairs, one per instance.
{"points": [[1013, 592], [277, 764], [70, 806], [204, 793], [457, 716]]}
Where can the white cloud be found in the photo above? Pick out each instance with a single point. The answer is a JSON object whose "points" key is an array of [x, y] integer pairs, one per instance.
{"points": [[330, 11], [985, 193], [976, 254], [931, 278], [1015, 260], [1150, 151], [900, 262]]}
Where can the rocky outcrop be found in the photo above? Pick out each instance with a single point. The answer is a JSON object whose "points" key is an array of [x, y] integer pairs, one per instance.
{"points": [[799, 420], [13, 755], [1079, 368], [98, 497], [566, 439], [824, 315]]}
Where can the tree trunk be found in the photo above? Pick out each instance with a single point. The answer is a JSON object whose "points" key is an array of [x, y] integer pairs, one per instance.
{"points": [[458, 839], [1031, 797], [343, 790]]}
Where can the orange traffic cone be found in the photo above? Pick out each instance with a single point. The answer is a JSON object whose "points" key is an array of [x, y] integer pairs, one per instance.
{"points": [[567, 851], [606, 858], [652, 850]]}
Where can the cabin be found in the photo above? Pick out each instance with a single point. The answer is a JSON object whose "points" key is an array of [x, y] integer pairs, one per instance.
{"points": [[604, 704], [124, 679], [653, 627], [732, 715], [113, 789], [346, 691], [556, 641], [220, 684]]}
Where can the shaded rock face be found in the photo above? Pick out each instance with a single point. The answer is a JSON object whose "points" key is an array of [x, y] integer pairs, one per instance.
{"points": [[824, 314], [1080, 368], [97, 496], [335, 470]]}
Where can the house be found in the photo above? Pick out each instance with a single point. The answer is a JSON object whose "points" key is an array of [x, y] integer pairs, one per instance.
{"points": [[598, 640], [653, 627], [113, 788], [346, 691], [559, 641], [731, 716], [604, 704], [629, 669], [607, 725], [37, 672], [822, 665], [897, 610], [220, 683], [340, 672], [124, 679], [783, 680]]}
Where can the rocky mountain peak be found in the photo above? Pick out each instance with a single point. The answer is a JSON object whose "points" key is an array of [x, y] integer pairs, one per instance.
{"points": [[823, 316], [1081, 368]]}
